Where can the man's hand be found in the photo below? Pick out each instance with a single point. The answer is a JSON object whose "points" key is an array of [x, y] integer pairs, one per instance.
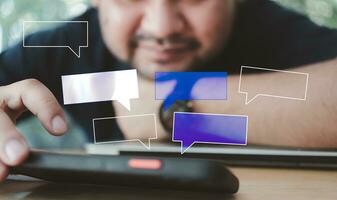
{"points": [[16, 98]]}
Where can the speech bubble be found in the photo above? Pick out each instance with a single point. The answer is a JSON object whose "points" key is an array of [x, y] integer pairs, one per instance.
{"points": [[104, 86], [74, 45], [190, 128], [99, 127], [254, 87], [175, 86]]}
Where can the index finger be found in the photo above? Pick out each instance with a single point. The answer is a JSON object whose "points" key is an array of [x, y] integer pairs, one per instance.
{"points": [[38, 99]]}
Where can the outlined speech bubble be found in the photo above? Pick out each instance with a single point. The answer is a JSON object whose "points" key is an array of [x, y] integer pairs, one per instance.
{"points": [[175, 86], [132, 120], [74, 46], [190, 128], [103, 86], [254, 87]]}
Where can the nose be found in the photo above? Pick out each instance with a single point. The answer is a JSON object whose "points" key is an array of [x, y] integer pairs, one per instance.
{"points": [[162, 19]]}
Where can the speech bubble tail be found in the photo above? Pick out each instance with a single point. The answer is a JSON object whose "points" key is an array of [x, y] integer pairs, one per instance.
{"points": [[185, 146], [146, 143], [78, 53], [250, 98], [125, 103], [168, 103]]}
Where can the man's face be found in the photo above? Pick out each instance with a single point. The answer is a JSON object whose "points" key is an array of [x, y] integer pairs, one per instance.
{"points": [[165, 35]]}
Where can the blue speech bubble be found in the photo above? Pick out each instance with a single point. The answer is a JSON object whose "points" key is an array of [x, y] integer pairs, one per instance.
{"points": [[190, 128], [175, 86]]}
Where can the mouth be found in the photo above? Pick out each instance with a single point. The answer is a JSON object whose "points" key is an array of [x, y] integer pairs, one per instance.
{"points": [[166, 54]]}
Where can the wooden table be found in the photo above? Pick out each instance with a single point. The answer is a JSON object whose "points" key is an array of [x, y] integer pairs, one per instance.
{"points": [[255, 183]]}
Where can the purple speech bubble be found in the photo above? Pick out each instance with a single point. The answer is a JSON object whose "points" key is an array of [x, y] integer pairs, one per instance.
{"points": [[190, 128]]}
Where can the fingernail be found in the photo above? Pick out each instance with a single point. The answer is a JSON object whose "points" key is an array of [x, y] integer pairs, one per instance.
{"points": [[15, 150], [59, 125]]}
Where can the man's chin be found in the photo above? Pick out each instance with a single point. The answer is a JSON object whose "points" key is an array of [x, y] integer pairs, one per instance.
{"points": [[149, 69], [169, 67]]}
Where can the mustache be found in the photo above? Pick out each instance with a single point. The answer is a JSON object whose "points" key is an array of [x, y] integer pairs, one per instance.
{"points": [[173, 39]]}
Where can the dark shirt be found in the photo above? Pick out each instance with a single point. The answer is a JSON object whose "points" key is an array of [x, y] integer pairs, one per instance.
{"points": [[264, 35]]}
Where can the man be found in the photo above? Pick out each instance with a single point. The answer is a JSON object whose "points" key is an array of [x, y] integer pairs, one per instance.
{"points": [[165, 35]]}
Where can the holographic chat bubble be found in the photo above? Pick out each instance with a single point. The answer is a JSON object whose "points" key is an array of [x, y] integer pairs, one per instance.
{"points": [[254, 87], [104, 86], [190, 128], [74, 45], [149, 120], [175, 86]]}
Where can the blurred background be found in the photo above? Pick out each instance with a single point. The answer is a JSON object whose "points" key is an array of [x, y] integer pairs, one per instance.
{"points": [[13, 12]]}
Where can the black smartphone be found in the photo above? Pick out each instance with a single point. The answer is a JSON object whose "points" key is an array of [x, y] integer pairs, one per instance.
{"points": [[130, 171]]}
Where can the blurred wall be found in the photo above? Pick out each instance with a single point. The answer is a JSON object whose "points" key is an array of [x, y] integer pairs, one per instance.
{"points": [[13, 12]]}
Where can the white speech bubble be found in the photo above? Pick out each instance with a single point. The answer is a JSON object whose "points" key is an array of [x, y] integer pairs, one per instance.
{"points": [[261, 87], [76, 50], [145, 142], [104, 86]]}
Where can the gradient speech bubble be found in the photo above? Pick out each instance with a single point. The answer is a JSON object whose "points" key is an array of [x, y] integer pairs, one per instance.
{"points": [[99, 127], [254, 87], [175, 86], [190, 128], [74, 45], [104, 86]]}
